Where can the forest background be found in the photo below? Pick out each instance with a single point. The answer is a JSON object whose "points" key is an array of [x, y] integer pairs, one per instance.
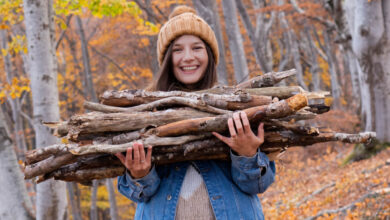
{"points": [[56, 54]]}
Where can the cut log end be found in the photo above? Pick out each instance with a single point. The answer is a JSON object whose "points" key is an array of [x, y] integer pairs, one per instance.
{"points": [[297, 102]]}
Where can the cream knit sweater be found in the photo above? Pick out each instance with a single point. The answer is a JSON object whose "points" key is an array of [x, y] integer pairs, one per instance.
{"points": [[194, 202]]}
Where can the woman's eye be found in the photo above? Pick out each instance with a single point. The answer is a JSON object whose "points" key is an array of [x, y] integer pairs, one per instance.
{"points": [[176, 50], [198, 48]]}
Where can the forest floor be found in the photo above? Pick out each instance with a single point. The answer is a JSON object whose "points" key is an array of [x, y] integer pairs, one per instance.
{"points": [[309, 180], [313, 179]]}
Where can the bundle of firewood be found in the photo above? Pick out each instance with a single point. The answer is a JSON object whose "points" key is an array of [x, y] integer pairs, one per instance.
{"points": [[178, 125]]}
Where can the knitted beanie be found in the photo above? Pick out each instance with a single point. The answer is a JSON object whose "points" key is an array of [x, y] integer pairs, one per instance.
{"points": [[183, 20]]}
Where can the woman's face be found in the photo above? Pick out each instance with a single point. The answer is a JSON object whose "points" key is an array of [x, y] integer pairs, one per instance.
{"points": [[189, 58]]}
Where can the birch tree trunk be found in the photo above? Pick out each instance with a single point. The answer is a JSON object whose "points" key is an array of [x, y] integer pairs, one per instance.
{"points": [[14, 103], [14, 200], [235, 40], [369, 24], [207, 9], [51, 195]]}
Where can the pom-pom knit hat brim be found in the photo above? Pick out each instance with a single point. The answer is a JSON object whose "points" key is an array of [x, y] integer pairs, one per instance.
{"points": [[184, 21]]}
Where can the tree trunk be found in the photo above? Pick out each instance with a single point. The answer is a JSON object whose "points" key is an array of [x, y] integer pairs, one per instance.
{"points": [[263, 26], [332, 70], [241, 71], [73, 199], [207, 9], [352, 67], [296, 57], [315, 70], [257, 52], [14, 103], [93, 211], [112, 199], [369, 25], [51, 195], [14, 200], [89, 89], [89, 93]]}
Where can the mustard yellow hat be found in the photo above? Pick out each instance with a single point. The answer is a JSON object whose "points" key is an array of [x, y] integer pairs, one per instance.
{"points": [[183, 20]]}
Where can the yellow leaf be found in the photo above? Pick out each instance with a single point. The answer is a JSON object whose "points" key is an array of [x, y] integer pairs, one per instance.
{"points": [[4, 52], [13, 94], [15, 81]]}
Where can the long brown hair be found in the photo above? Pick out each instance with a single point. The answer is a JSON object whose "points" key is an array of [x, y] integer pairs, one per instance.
{"points": [[166, 80]]}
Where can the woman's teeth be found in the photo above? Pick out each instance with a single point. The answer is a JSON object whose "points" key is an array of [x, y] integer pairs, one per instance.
{"points": [[189, 68]]}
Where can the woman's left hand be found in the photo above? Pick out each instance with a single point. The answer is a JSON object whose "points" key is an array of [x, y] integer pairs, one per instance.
{"points": [[242, 139]]}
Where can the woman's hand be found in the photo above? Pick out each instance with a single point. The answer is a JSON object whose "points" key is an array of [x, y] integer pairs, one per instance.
{"points": [[135, 160], [242, 139]]}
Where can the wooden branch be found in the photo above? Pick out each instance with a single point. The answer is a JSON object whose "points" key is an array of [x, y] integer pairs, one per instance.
{"points": [[91, 174], [355, 138], [137, 97], [178, 149], [47, 165], [299, 115], [39, 154], [151, 140], [92, 168], [219, 123], [90, 162], [289, 138], [282, 92], [120, 138], [318, 108], [95, 122], [230, 95], [267, 80], [103, 108], [165, 102], [298, 129]]}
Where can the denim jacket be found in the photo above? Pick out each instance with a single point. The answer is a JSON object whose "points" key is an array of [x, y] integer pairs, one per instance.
{"points": [[232, 187]]}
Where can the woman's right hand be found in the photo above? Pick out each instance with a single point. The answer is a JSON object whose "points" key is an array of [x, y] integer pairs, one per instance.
{"points": [[135, 161]]}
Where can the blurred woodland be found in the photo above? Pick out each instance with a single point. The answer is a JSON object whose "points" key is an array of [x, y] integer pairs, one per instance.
{"points": [[81, 48]]}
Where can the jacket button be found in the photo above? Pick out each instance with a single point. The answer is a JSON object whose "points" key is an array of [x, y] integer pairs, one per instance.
{"points": [[177, 168], [169, 197], [216, 197], [137, 184]]}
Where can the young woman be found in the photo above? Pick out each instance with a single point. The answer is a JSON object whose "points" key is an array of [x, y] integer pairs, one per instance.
{"points": [[209, 189]]}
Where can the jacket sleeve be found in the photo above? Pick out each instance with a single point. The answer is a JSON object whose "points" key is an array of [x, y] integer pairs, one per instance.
{"points": [[139, 190], [252, 175]]}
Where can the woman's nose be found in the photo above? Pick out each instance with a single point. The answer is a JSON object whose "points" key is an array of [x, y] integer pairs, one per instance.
{"points": [[188, 55]]}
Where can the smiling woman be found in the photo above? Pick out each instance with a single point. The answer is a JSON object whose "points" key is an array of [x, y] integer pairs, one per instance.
{"points": [[189, 59], [201, 189]]}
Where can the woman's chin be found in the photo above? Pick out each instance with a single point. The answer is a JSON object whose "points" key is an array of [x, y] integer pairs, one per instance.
{"points": [[189, 81]]}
